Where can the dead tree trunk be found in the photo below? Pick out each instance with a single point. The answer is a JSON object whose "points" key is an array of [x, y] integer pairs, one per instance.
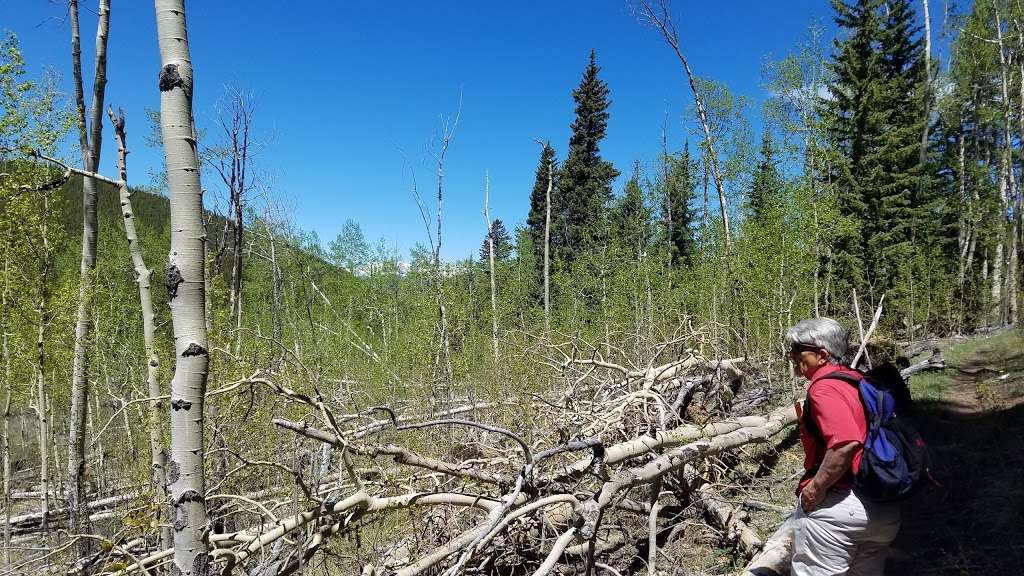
{"points": [[547, 248], [233, 167], [444, 353], [90, 140], [490, 251], [186, 292], [143, 275], [664, 24]]}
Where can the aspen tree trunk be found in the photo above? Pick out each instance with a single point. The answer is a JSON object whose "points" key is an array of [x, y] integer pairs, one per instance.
{"points": [[98, 454], [490, 250], [1014, 284], [963, 236], [143, 276], [927, 83], [40, 379], [445, 348], [547, 248], [90, 143], [275, 304], [668, 30], [186, 291], [44, 428], [1006, 184], [7, 418]]}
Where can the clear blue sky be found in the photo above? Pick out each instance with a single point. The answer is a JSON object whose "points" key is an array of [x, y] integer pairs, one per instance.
{"points": [[344, 88]]}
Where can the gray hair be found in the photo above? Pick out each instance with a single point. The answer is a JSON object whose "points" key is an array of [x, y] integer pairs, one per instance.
{"points": [[820, 332]]}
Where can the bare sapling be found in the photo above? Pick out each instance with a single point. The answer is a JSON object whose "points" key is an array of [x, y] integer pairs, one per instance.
{"points": [[90, 131]]}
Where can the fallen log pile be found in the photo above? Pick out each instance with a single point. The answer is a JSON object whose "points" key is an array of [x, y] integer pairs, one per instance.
{"points": [[607, 471]]}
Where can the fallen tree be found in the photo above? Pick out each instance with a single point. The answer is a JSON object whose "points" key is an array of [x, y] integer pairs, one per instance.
{"points": [[617, 459]]}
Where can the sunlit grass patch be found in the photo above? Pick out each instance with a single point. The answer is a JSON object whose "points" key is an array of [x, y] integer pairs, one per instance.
{"points": [[928, 386], [998, 348]]}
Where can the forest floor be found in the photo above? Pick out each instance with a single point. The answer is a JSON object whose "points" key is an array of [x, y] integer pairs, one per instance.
{"points": [[972, 416]]}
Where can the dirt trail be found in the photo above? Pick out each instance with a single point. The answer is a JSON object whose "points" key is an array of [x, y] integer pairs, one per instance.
{"points": [[973, 522]]}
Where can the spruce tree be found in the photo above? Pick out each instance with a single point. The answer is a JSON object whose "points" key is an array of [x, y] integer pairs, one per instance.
{"points": [[585, 179], [676, 188], [535, 220], [502, 243], [873, 118], [631, 217], [766, 188]]}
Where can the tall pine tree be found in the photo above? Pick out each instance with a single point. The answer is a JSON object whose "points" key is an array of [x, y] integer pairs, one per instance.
{"points": [[767, 185], [502, 243], [873, 118], [631, 217], [676, 186], [535, 220], [585, 179]]}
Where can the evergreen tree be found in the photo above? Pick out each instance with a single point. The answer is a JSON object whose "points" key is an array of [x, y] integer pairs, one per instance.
{"points": [[631, 217], [676, 188], [502, 243], [535, 221], [873, 117], [767, 183], [585, 179]]}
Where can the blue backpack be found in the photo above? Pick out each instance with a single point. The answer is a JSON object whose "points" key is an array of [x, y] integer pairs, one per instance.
{"points": [[895, 460]]}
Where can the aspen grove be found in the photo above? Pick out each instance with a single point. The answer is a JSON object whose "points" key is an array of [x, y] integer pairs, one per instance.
{"points": [[191, 383]]}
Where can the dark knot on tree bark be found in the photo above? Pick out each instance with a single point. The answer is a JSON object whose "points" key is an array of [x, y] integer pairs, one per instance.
{"points": [[193, 350], [174, 279], [169, 78]]}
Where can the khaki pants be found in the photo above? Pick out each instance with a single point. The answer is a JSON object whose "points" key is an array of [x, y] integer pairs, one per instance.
{"points": [[844, 536]]}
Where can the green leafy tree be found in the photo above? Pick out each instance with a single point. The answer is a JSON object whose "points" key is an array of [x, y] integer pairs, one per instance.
{"points": [[585, 179], [349, 249]]}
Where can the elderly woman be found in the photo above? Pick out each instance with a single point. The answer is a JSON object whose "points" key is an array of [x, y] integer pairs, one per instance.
{"points": [[836, 532]]}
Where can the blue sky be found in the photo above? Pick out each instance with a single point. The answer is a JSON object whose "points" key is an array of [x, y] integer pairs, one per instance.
{"points": [[351, 94]]}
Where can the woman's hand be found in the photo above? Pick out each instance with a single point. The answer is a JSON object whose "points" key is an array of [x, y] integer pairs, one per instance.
{"points": [[810, 497]]}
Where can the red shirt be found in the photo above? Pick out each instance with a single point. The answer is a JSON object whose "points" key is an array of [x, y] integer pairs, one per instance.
{"points": [[839, 415]]}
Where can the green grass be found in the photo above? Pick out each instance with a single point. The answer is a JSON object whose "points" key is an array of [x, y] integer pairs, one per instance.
{"points": [[930, 386], [998, 351], [998, 348]]}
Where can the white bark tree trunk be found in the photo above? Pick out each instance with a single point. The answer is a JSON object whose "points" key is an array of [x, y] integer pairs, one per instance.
{"points": [[186, 291], [7, 419], [40, 375], [664, 24], [490, 251], [143, 276], [1014, 285], [1006, 184], [547, 249], [90, 143]]}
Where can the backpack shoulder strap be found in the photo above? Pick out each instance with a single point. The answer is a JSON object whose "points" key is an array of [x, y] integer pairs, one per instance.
{"points": [[848, 378]]}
